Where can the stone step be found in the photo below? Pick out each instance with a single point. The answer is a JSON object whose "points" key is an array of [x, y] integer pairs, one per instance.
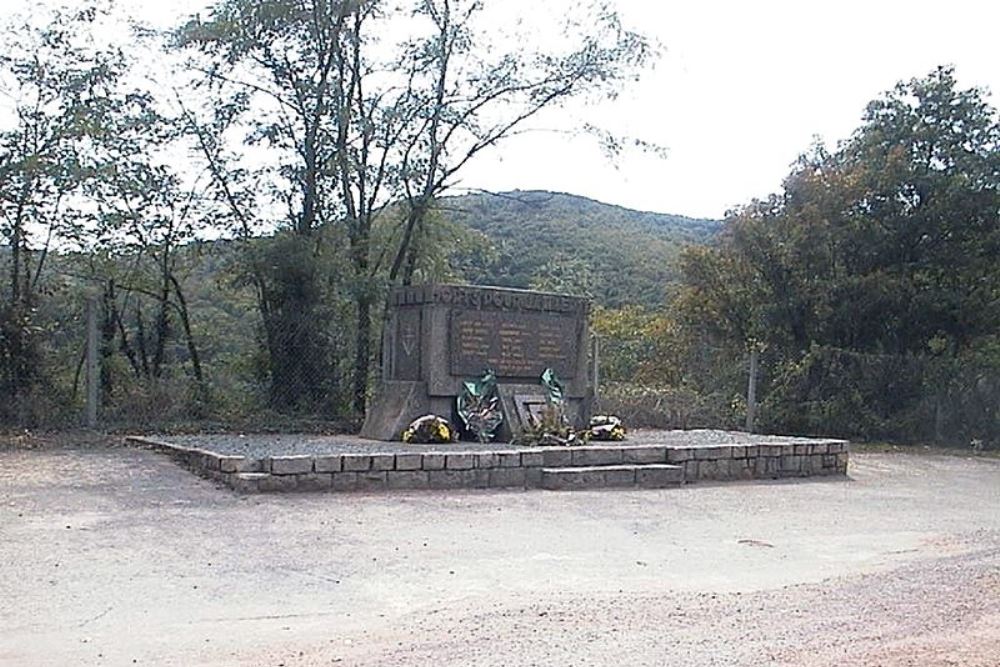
{"points": [[645, 475]]}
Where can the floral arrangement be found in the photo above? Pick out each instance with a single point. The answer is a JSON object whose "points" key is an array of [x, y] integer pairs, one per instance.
{"points": [[429, 429], [606, 427], [479, 406]]}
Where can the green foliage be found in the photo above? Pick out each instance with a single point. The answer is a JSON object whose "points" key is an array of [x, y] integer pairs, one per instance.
{"points": [[876, 265], [665, 407], [59, 83], [364, 109], [575, 245]]}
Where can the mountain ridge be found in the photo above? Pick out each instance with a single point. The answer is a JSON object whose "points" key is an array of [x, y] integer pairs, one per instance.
{"points": [[575, 244]]}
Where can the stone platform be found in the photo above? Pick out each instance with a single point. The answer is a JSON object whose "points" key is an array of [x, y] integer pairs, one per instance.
{"points": [[648, 459]]}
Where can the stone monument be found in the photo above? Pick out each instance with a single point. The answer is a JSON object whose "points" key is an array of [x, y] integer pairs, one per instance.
{"points": [[436, 336]]}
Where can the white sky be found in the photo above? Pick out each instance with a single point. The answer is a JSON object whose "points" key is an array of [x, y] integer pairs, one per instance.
{"points": [[740, 92]]}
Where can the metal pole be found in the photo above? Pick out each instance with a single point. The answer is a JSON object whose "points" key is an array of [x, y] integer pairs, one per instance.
{"points": [[93, 372], [752, 391], [595, 351]]}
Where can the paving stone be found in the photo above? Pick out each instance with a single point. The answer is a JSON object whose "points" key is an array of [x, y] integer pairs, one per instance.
{"points": [[791, 463], [372, 480], [532, 478], [356, 462], [487, 460], [596, 456], [460, 461], [739, 452], [644, 455], [408, 461], [216, 475], [554, 457], [769, 450], [564, 479], [753, 452], [691, 470], [532, 459], [729, 469], [451, 479], [291, 465], [513, 459], [821, 448], [247, 482], [327, 463], [657, 476], [830, 461], [615, 476], [345, 481], [482, 479], [679, 454], [712, 469], [716, 453], [802, 450], [277, 483], [505, 477], [383, 462], [188, 457], [836, 447], [408, 479], [433, 461], [238, 464], [767, 467], [211, 461], [314, 481], [760, 467]]}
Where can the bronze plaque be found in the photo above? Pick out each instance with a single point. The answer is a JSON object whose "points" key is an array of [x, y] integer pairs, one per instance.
{"points": [[513, 344]]}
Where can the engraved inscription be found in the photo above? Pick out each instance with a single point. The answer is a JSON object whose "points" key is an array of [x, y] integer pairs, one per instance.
{"points": [[514, 345], [407, 344], [489, 298]]}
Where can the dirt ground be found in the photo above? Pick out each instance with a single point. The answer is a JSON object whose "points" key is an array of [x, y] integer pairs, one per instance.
{"points": [[115, 556]]}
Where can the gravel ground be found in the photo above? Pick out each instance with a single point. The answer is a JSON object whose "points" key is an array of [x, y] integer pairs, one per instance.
{"points": [[119, 557], [257, 445]]}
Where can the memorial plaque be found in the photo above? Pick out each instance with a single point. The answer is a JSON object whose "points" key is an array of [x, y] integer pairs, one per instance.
{"points": [[513, 344], [438, 336]]}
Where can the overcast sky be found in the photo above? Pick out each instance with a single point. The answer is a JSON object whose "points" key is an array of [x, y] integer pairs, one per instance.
{"points": [[740, 92]]}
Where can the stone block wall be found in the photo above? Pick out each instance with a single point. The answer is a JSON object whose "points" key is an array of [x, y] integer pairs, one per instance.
{"points": [[502, 468]]}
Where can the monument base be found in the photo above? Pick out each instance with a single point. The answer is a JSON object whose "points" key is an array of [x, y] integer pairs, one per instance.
{"points": [[396, 404], [523, 404]]}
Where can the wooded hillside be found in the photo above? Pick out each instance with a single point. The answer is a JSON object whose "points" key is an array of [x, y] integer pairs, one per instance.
{"points": [[569, 243]]}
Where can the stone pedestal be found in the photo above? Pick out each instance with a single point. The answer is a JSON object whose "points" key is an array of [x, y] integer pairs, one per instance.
{"points": [[437, 336]]}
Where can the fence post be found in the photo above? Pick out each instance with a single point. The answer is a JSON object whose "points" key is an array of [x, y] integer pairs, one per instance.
{"points": [[752, 391], [595, 368], [93, 372]]}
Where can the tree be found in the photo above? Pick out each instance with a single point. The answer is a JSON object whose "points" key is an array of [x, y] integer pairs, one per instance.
{"points": [[885, 247], [145, 215], [355, 120], [55, 79]]}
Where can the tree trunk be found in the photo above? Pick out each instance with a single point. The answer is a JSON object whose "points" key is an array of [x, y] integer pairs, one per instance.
{"points": [[162, 328], [188, 336]]}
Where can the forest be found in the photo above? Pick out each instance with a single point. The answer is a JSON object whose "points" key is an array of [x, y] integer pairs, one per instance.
{"points": [[238, 231]]}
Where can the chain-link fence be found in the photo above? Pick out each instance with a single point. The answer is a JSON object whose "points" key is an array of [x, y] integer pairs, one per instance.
{"points": [[139, 361], [127, 364], [953, 399]]}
